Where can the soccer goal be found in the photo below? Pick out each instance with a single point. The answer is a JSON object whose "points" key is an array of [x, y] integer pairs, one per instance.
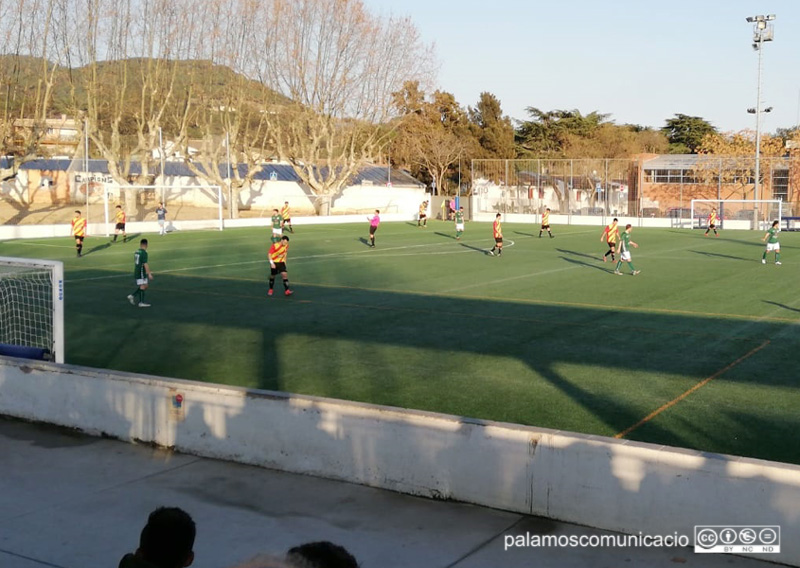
{"points": [[738, 213], [32, 308], [188, 207]]}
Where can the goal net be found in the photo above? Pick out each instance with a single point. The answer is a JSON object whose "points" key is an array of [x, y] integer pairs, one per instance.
{"points": [[738, 213], [32, 308], [188, 207]]}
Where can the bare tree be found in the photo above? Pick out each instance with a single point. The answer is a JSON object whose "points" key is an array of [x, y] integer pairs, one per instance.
{"points": [[229, 108], [338, 65], [133, 50]]}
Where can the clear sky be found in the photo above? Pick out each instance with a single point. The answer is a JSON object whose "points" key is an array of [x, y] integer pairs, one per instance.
{"points": [[642, 61]]}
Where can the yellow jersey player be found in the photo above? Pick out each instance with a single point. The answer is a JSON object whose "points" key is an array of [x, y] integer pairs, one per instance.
{"points": [[712, 222], [119, 217], [497, 232], [277, 264], [287, 217], [546, 223], [610, 235], [79, 231]]}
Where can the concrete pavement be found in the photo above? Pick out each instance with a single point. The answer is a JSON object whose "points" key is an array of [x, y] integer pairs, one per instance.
{"points": [[68, 500]]}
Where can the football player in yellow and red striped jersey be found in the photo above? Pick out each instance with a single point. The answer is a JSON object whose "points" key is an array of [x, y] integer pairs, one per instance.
{"points": [[277, 263], [712, 222], [119, 217], [546, 223], [287, 217], [79, 231], [497, 232], [610, 235]]}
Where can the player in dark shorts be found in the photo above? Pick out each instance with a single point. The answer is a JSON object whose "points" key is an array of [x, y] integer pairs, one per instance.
{"points": [[374, 221], [497, 232], [546, 223], [277, 263], [287, 217], [120, 226], [79, 231]]}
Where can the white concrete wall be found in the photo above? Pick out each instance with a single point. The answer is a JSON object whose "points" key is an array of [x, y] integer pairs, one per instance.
{"points": [[595, 481]]}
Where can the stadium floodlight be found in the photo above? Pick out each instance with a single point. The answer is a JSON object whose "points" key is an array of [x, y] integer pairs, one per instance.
{"points": [[762, 32]]}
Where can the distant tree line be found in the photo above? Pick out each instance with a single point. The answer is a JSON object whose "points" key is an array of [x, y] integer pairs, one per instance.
{"points": [[324, 85]]}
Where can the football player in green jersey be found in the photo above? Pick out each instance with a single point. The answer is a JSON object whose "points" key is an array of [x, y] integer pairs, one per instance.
{"points": [[773, 245], [624, 250], [459, 223], [142, 275], [277, 226]]}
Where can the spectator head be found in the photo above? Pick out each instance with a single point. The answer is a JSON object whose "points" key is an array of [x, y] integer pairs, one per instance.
{"points": [[168, 538], [321, 555]]}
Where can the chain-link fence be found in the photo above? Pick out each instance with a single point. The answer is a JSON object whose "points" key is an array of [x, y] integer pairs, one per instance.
{"points": [[660, 186], [572, 187]]}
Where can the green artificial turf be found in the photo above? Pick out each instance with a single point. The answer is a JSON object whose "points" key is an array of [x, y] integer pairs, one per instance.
{"points": [[546, 335]]}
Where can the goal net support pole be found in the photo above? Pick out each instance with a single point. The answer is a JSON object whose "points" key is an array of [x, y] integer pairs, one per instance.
{"points": [[32, 308], [750, 208], [195, 206]]}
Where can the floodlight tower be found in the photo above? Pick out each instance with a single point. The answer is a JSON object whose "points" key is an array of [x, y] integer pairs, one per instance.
{"points": [[763, 31]]}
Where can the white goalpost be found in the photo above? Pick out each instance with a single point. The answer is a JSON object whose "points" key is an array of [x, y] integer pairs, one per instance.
{"points": [[32, 308], [188, 207], [738, 213]]}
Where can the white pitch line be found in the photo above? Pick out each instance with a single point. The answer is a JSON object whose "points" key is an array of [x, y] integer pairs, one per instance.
{"points": [[261, 261]]}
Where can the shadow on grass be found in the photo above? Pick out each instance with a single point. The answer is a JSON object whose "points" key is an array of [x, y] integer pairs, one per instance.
{"points": [[472, 247], [719, 255], [524, 234], [368, 345], [445, 235], [575, 253], [97, 248], [586, 264], [784, 306]]}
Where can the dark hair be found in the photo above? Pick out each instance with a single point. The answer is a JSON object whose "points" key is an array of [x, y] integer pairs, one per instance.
{"points": [[498, 215], [628, 226], [119, 206], [615, 219], [775, 222], [285, 238], [167, 538], [143, 242], [322, 555], [77, 211]]}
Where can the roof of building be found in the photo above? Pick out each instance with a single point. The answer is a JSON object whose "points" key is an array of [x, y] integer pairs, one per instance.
{"points": [[378, 175], [689, 161]]}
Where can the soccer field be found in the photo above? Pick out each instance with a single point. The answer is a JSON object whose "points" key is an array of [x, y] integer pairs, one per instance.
{"points": [[698, 351]]}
